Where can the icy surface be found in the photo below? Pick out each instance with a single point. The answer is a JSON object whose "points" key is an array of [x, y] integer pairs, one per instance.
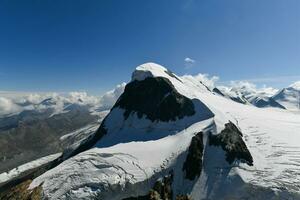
{"points": [[14, 173], [107, 171], [272, 136]]}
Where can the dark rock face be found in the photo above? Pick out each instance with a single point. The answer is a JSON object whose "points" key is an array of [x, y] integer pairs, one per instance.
{"points": [[205, 86], [21, 192], [261, 103], [183, 197], [231, 141], [156, 98], [162, 190], [217, 91], [286, 93], [193, 163], [164, 187], [146, 197], [239, 100]]}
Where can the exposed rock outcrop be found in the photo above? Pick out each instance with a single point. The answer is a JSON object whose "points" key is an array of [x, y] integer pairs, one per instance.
{"points": [[162, 190], [183, 197], [193, 163], [217, 91], [156, 98], [231, 141], [21, 192], [267, 102]]}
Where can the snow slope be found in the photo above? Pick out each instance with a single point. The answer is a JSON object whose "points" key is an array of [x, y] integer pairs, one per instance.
{"points": [[272, 137], [16, 172], [130, 167], [135, 151]]}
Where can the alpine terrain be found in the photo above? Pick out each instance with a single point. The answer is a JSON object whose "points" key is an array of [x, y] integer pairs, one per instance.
{"points": [[172, 137]]}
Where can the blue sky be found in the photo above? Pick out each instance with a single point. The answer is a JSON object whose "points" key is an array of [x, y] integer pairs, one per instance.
{"points": [[64, 45]]}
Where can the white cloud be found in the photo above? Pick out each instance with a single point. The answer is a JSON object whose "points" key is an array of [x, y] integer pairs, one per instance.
{"points": [[8, 107], [16, 102], [189, 62], [110, 97], [209, 81], [267, 91], [83, 98], [35, 98], [274, 79], [244, 87], [247, 89]]}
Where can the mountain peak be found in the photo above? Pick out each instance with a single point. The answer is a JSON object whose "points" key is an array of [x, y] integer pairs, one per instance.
{"points": [[295, 85], [151, 69]]}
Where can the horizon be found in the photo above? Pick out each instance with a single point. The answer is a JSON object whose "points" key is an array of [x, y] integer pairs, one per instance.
{"points": [[58, 46], [207, 78]]}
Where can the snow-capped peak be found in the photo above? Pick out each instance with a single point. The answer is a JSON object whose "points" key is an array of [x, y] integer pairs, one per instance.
{"points": [[295, 85], [151, 69]]}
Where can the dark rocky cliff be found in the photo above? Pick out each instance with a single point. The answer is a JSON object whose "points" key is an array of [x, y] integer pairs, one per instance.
{"points": [[231, 141]]}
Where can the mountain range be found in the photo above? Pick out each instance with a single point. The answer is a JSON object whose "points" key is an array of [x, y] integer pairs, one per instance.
{"points": [[286, 98]]}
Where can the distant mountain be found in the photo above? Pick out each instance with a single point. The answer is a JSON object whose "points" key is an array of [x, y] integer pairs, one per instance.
{"points": [[245, 95], [236, 96], [263, 102], [171, 137], [289, 97]]}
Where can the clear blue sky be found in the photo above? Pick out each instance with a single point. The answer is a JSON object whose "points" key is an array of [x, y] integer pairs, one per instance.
{"points": [[64, 45]]}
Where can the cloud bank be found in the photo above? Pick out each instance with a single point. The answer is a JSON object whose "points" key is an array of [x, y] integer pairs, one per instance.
{"points": [[15, 102], [110, 97], [7, 106], [247, 89]]}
